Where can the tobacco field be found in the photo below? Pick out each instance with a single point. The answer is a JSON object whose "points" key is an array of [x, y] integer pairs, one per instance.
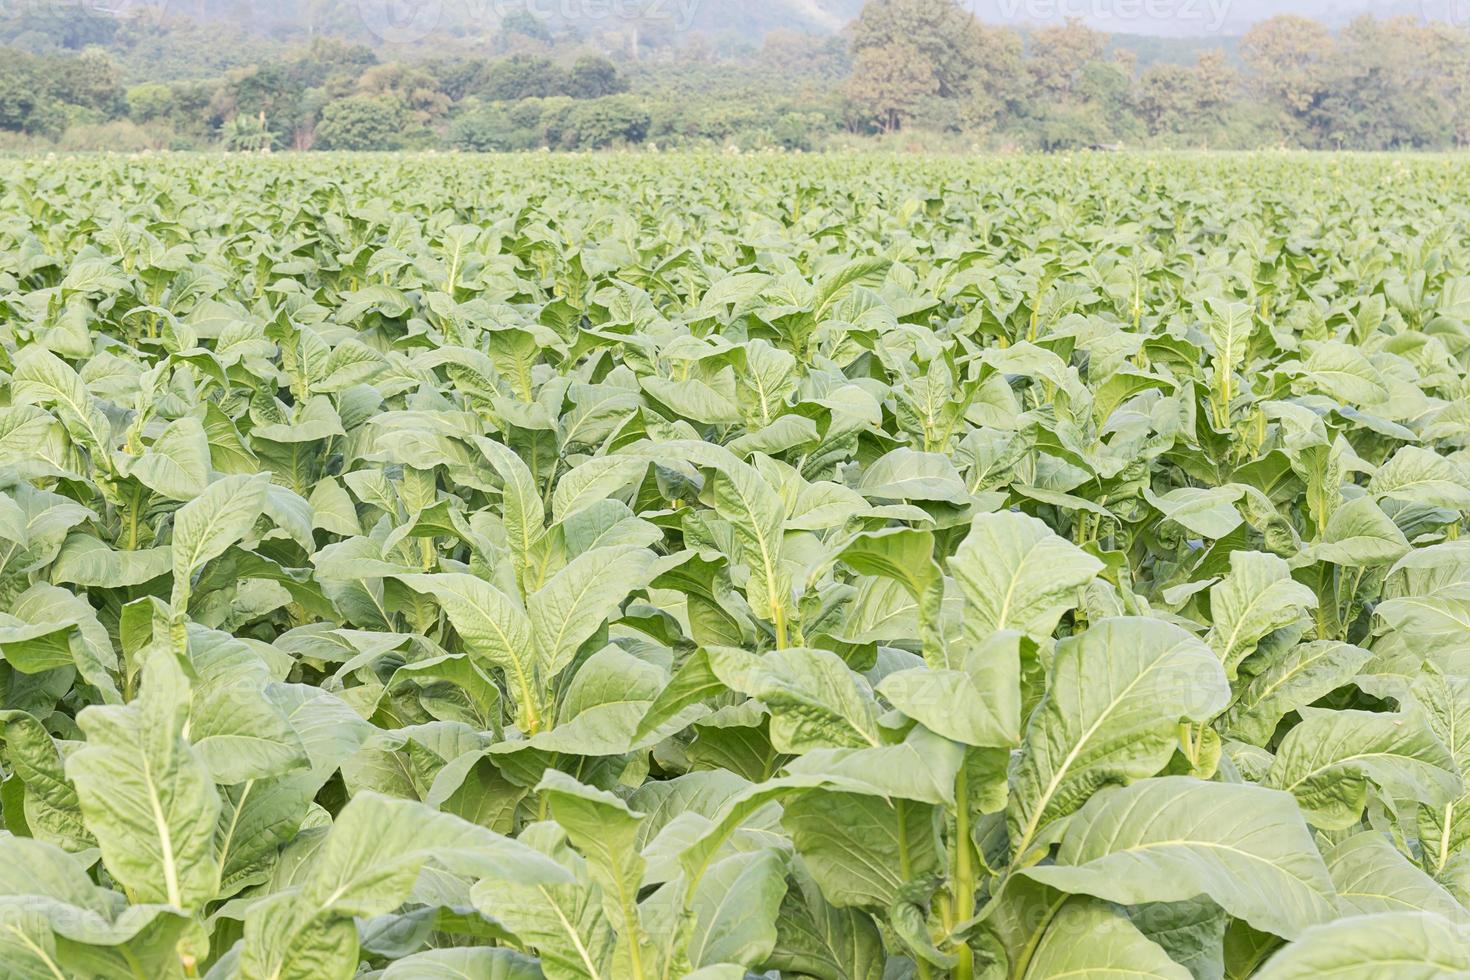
{"points": [[642, 567]]}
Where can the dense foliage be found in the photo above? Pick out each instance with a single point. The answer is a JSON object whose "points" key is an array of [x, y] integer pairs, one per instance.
{"points": [[919, 72], [842, 568]]}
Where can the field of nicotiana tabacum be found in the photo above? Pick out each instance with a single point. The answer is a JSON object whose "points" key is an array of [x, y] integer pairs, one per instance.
{"points": [[638, 567]]}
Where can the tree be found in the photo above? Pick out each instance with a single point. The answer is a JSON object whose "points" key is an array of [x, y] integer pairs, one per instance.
{"points": [[455, 77], [250, 134], [1173, 99], [272, 91], [1379, 91], [1286, 54], [150, 102], [890, 83], [997, 85], [521, 76], [1107, 88], [361, 122], [1447, 57], [522, 26], [411, 87], [798, 55], [26, 103], [1059, 53], [939, 36], [93, 80], [598, 123], [593, 77], [490, 128], [49, 25]]}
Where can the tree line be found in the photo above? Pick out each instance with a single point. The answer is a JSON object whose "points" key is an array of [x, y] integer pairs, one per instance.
{"points": [[905, 72]]}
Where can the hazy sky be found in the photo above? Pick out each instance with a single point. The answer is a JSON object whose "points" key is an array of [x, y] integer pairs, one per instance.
{"points": [[1203, 17]]}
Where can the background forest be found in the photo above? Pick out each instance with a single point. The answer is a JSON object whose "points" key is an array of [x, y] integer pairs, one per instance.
{"points": [[789, 74]]}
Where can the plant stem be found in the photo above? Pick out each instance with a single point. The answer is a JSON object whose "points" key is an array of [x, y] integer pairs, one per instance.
{"points": [[964, 871]]}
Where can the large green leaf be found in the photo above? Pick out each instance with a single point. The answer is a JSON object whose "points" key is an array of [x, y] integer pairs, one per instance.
{"points": [[1118, 693], [1329, 760], [146, 794], [1016, 574], [1408, 945], [1170, 839], [209, 524]]}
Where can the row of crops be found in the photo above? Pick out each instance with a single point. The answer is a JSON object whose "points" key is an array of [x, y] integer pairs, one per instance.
{"points": [[634, 568]]}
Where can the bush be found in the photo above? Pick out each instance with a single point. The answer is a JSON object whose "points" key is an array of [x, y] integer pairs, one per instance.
{"points": [[361, 122], [121, 135], [149, 102]]}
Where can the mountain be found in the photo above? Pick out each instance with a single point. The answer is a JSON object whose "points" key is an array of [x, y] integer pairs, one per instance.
{"points": [[763, 16], [748, 21]]}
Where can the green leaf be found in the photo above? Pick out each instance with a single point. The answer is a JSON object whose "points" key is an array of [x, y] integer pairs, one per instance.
{"points": [[1292, 681], [978, 705], [605, 831], [863, 850], [906, 556], [1209, 513], [209, 524], [483, 962], [818, 939], [1111, 715], [146, 794], [1257, 598], [495, 631], [1113, 947], [177, 465], [905, 474], [735, 910], [1016, 574], [1359, 535], [1172, 838], [521, 509], [1329, 759], [580, 598], [815, 700], [1403, 945], [1372, 876], [52, 810], [1421, 476]]}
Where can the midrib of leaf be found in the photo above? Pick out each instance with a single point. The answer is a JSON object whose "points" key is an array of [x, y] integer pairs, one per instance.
{"points": [[64, 398], [1005, 606], [778, 605], [523, 682], [170, 865], [1449, 810], [566, 621], [571, 933], [1355, 757], [1240, 620], [1034, 940], [1208, 845], [229, 836], [1270, 689], [38, 952], [210, 523]]}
